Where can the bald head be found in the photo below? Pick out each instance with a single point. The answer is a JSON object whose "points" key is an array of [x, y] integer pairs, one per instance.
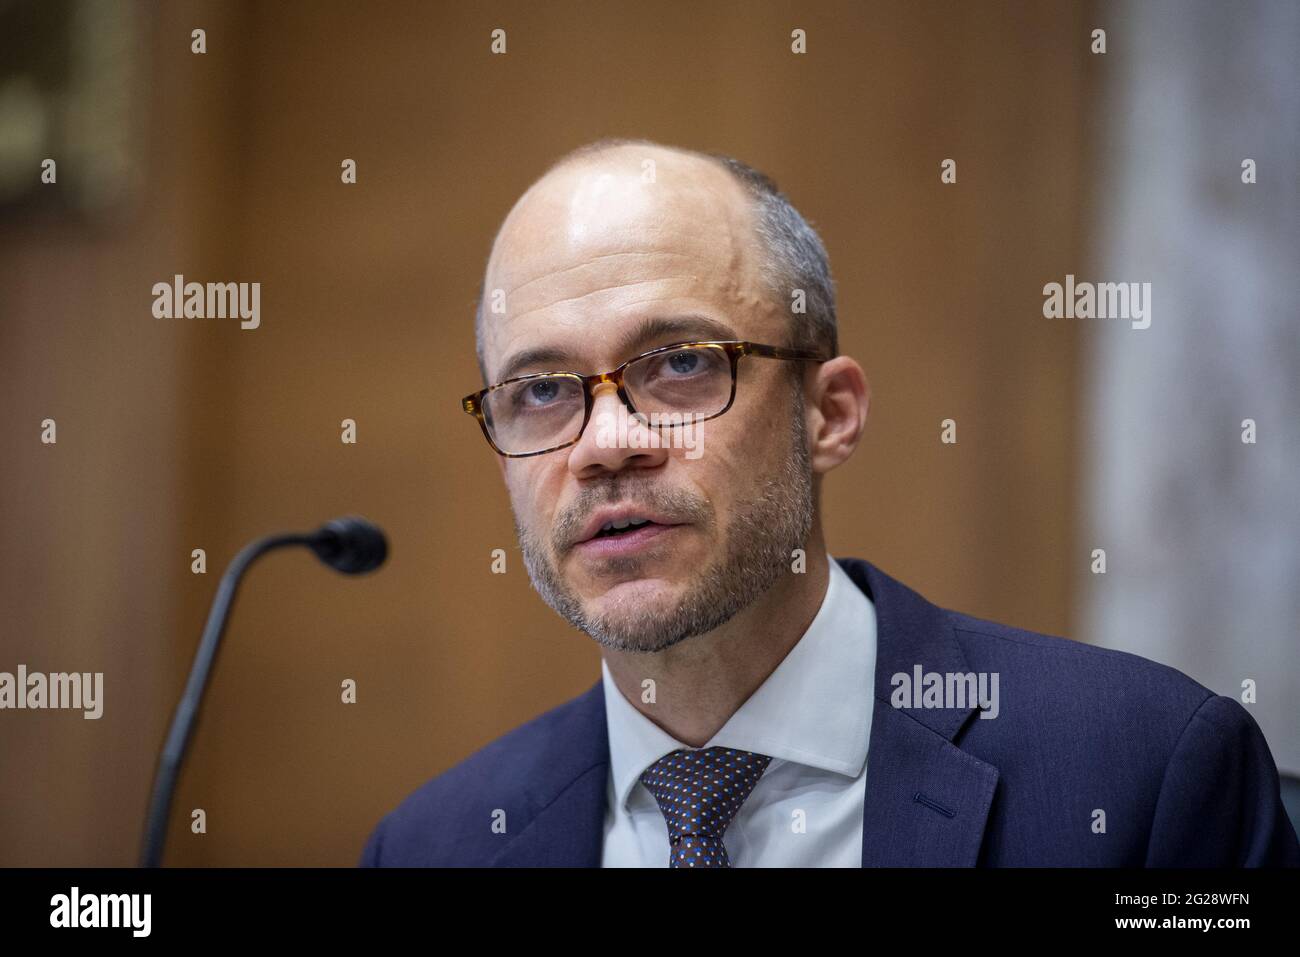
{"points": [[619, 215]]}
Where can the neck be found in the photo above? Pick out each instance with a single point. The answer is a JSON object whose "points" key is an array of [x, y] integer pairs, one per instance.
{"points": [[701, 682]]}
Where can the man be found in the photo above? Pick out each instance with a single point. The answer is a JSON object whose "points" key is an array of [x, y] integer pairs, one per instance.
{"points": [[658, 330]]}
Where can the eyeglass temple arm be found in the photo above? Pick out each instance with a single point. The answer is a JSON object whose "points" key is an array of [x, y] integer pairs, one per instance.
{"points": [[776, 352]]}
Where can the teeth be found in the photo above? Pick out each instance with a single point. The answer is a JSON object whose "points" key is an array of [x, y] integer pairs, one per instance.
{"points": [[623, 523]]}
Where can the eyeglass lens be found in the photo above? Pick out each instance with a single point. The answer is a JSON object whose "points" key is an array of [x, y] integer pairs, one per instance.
{"points": [[680, 385]]}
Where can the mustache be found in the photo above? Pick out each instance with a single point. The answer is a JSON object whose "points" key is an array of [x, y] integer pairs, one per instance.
{"points": [[676, 504]]}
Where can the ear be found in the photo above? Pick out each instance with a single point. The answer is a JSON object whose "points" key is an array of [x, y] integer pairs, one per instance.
{"points": [[840, 401]]}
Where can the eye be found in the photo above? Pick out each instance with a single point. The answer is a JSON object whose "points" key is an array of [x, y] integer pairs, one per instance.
{"points": [[544, 395], [685, 362], [685, 365], [540, 393]]}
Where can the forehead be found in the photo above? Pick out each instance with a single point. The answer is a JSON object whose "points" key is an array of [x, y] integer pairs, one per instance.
{"points": [[602, 246]]}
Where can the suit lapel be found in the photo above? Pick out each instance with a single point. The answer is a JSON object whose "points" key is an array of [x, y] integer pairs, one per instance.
{"points": [[927, 801], [569, 827]]}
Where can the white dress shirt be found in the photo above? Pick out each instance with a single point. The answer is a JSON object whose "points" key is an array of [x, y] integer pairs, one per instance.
{"points": [[812, 716]]}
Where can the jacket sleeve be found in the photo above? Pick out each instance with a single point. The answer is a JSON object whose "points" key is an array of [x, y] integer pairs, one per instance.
{"points": [[1220, 803]]}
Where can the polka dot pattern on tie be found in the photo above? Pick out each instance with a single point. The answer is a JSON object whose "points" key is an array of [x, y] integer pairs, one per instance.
{"points": [[699, 792]]}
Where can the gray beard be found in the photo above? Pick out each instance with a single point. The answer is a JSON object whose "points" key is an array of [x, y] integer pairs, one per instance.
{"points": [[761, 536]]}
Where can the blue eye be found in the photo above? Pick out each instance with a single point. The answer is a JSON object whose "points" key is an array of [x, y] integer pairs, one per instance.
{"points": [[543, 391], [684, 362], [543, 394]]}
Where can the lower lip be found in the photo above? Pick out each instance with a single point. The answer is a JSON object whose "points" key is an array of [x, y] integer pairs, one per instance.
{"points": [[610, 546]]}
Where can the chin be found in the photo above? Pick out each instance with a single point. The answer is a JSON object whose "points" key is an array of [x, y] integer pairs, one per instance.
{"points": [[637, 595]]}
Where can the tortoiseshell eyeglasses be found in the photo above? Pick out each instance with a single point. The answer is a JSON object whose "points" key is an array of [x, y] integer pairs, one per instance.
{"points": [[683, 382]]}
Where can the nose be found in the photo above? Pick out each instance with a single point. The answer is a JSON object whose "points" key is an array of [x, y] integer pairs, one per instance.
{"points": [[614, 439]]}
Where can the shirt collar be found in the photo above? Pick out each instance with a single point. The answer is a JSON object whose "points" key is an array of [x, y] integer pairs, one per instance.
{"points": [[814, 709]]}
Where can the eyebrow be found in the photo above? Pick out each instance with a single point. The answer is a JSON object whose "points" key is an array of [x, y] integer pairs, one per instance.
{"points": [[633, 342]]}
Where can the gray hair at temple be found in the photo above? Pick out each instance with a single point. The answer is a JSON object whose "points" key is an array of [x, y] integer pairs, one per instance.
{"points": [[795, 257]]}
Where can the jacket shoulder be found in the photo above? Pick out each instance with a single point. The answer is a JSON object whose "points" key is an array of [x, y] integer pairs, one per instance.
{"points": [[1184, 774], [1102, 680]]}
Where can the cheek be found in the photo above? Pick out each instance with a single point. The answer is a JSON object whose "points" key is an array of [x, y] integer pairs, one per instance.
{"points": [[768, 424], [721, 475], [742, 457], [534, 489]]}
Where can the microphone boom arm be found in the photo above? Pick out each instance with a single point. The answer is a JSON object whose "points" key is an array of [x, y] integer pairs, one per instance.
{"points": [[337, 544]]}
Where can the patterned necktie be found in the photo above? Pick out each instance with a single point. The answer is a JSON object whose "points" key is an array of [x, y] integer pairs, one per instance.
{"points": [[699, 793]]}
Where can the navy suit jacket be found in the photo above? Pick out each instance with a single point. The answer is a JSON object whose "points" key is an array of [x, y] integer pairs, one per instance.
{"points": [[1182, 776]]}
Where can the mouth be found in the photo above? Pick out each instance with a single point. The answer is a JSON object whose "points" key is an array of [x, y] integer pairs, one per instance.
{"points": [[622, 527], [615, 540], [622, 531]]}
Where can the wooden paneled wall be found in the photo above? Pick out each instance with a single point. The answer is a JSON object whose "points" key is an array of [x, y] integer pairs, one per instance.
{"points": [[177, 435]]}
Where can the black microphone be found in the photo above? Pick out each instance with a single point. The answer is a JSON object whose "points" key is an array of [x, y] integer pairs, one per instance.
{"points": [[350, 545]]}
